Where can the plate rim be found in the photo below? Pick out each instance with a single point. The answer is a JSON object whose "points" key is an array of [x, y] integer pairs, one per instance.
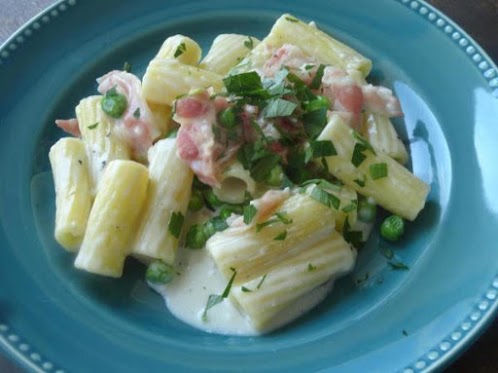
{"points": [[438, 355]]}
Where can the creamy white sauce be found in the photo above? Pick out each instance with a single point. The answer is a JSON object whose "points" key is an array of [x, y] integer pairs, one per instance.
{"points": [[187, 295]]}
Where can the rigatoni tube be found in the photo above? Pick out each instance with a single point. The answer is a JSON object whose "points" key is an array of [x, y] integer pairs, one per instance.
{"points": [[256, 249], [73, 198], [102, 145], [182, 48], [374, 175], [264, 298], [170, 181], [166, 79], [227, 51], [114, 218]]}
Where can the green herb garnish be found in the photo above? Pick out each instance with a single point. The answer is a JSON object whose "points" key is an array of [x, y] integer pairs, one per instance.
{"points": [[378, 170], [249, 43], [93, 126], [175, 224], [249, 213], [182, 48], [281, 236], [214, 299], [159, 272], [136, 113]]}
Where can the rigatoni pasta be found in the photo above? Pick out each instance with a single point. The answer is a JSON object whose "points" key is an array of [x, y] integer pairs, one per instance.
{"points": [[266, 164], [73, 195]]}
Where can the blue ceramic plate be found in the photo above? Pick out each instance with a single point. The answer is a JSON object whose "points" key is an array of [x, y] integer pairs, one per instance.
{"points": [[55, 318]]}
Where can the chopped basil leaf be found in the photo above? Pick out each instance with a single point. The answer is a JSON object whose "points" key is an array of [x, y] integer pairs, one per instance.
{"points": [[378, 170], [358, 157], [182, 48], [249, 213], [286, 182], [93, 126], [302, 91], [291, 19], [245, 290], [281, 236], [314, 122], [398, 266], [325, 198], [261, 282], [172, 133], [136, 113], [214, 299], [311, 267], [260, 226], [322, 148], [353, 237], [317, 80], [361, 183], [127, 66], [351, 207], [249, 43], [175, 224], [283, 218], [262, 168], [245, 84], [361, 140], [278, 107]]}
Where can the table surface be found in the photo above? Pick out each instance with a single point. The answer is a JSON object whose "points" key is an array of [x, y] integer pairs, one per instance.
{"points": [[479, 18]]}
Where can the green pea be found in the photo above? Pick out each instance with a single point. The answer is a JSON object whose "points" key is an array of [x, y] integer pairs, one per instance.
{"points": [[366, 210], [196, 237], [274, 178], [159, 272], [212, 199], [228, 118], [392, 228], [114, 104], [227, 210], [196, 201]]}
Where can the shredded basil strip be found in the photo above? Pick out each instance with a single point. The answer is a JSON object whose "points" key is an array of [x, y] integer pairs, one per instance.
{"points": [[397, 266], [358, 157], [311, 267], [245, 84], [249, 43], [317, 80], [249, 213], [279, 107], [361, 183], [182, 48], [214, 299], [283, 218], [353, 237], [175, 224], [325, 198], [93, 126], [322, 148], [378, 170], [361, 140], [281, 236], [261, 282], [127, 66], [136, 113]]}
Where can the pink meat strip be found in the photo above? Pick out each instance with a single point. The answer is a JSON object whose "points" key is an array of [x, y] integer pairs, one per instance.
{"points": [[70, 126], [139, 133], [195, 140]]}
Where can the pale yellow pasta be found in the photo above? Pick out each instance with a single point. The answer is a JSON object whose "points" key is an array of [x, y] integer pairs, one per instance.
{"points": [[73, 198], [166, 79], [400, 191], [169, 192], [114, 218], [163, 116], [314, 42], [102, 145], [227, 51], [235, 182], [264, 298], [380, 132], [253, 250], [182, 48]]}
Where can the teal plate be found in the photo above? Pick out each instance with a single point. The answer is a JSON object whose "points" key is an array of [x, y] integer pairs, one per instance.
{"points": [[54, 318]]}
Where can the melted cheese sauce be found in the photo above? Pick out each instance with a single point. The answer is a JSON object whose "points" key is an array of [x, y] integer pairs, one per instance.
{"points": [[187, 295]]}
